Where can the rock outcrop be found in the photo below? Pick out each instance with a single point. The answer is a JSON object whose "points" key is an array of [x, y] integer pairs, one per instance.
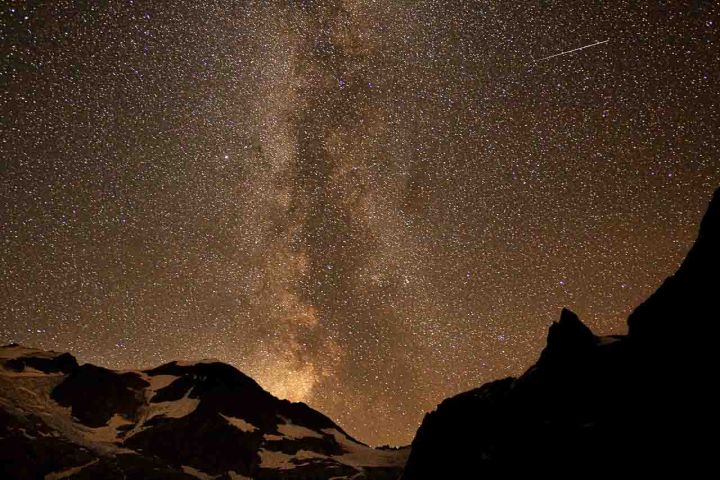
{"points": [[639, 404]]}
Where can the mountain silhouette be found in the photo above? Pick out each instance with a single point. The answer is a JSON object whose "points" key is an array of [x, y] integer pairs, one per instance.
{"points": [[635, 404]]}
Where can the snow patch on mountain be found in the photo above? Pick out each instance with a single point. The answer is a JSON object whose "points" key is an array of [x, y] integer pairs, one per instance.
{"points": [[239, 423], [174, 408], [359, 455], [158, 382], [297, 432], [107, 433], [278, 460], [236, 476], [70, 471], [196, 473]]}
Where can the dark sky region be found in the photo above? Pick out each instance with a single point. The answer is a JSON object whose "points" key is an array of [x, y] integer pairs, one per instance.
{"points": [[365, 205]]}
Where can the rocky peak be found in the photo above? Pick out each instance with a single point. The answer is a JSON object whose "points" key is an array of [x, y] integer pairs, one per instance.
{"points": [[18, 358], [568, 336]]}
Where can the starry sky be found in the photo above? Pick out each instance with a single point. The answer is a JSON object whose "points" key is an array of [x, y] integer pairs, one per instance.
{"points": [[365, 205]]}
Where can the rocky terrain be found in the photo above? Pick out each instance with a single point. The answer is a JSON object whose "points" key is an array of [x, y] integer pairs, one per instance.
{"points": [[201, 420], [640, 403]]}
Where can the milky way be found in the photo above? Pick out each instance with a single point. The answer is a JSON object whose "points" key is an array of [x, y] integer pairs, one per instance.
{"points": [[365, 205]]}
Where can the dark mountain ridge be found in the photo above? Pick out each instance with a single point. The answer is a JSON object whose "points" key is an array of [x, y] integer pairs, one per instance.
{"points": [[640, 403]]}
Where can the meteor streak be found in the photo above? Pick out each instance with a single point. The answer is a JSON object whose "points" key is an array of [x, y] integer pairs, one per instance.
{"points": [[571, 51]]}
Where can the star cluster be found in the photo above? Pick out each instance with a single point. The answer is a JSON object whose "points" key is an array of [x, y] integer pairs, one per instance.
{"points": [[366, 205]]}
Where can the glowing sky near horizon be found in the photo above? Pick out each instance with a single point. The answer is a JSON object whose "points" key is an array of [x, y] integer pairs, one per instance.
{"points": [[365, 205]]}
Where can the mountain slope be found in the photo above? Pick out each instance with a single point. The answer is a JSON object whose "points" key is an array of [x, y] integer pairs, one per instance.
{"points": [[640, 403], [203, 420]]}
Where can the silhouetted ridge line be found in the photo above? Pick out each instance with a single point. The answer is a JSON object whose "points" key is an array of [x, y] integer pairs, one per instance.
{"points": [[636, 404]]}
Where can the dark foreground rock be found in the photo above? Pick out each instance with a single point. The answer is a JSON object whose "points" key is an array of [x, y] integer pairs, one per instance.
{"points": [[639, 404]]}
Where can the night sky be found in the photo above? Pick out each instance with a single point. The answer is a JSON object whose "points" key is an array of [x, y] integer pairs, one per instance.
{"points": [[364, 205]]}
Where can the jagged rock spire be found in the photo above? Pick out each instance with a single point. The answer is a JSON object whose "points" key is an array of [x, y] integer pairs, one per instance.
{"points": [[568, 335]]}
